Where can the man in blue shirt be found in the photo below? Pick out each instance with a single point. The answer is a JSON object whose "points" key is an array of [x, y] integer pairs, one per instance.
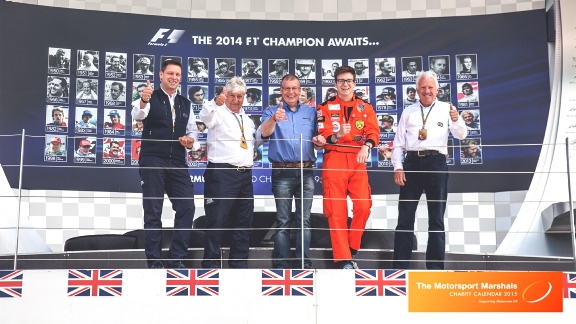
{"points": [[282, 125]]}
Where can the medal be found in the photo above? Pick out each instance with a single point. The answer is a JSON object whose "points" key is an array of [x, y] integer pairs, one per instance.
{"points": [[243, 143], [422, 134]]}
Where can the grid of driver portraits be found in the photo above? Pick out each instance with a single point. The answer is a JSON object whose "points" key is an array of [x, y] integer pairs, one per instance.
{"points": [[387, 82]]}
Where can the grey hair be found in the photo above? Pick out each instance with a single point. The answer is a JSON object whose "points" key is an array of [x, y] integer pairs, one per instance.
{"points": [[235, 85], [428, 75]]}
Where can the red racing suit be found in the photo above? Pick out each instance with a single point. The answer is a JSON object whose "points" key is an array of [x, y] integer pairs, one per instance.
{"points": [[341, 175]]}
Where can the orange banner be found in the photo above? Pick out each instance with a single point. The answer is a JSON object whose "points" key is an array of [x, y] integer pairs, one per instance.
{"points": [[484, 291]]}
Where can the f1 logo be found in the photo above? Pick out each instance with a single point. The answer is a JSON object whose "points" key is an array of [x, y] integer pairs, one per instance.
{"points": [[172, 38]]}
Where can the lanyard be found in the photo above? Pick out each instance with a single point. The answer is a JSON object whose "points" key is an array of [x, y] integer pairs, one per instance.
{"points": [[424, 119], [243, 143], [241, 125]]}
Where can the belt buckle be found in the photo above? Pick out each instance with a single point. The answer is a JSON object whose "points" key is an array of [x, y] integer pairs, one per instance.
{"points": [[423, 153], [240, 169]]}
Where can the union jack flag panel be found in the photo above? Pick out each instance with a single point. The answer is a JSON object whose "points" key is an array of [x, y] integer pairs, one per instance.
{"points": [[569, 285], [192, 282], [380, 282], [11, 283], [286, 282], [94, 283]]}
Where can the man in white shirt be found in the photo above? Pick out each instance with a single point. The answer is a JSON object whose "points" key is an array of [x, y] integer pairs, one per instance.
{"points": [[228, 191], [420, 145]]}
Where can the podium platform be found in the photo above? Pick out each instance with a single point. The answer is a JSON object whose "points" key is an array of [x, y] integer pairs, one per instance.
{"points": [[81, 295]]}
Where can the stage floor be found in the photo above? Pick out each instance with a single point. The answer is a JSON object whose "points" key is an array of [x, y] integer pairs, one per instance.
{"points": [[261, 258]]}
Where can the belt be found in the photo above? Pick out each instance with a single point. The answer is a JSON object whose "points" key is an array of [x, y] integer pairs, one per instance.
{"points": [[422, 153], [291, 164], [229, 166]]}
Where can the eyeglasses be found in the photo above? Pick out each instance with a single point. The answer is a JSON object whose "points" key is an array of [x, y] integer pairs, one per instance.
{"points": [[86, 146], [293, 89], [342, 81]]}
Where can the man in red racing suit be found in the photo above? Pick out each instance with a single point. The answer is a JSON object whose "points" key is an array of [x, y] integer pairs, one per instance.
{"points": [[350, 127]]}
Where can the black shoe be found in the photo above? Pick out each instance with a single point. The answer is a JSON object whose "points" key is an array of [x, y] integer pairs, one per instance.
{"points": [[306, 266], [347, 265], [210, 265], [157, 265], [179, 265]]}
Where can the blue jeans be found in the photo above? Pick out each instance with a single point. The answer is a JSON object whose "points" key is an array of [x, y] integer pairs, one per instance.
{"points": [[286, 187], [435, 184]]}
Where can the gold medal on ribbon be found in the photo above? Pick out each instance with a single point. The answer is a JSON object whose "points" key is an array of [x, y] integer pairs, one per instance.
{"points": [[243, 143]]}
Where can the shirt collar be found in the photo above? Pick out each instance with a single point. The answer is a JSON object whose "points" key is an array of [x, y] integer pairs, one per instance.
{"points": [[240, 112], [431, 105], [171, 96], [288, 108]]}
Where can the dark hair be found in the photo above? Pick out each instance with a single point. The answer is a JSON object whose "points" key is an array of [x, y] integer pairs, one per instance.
{"points": [[120, 85], [254, 93], [467, 142], [193, 90], [273, 97], [328, 92], [412, 59], [112, 142], [309, 92], [170, 62], [64, 85], [344, 69]]}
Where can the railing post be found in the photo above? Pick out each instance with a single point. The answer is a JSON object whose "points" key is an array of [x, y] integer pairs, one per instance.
{"points": [[572, 232], [19, 199], [301, 202]]}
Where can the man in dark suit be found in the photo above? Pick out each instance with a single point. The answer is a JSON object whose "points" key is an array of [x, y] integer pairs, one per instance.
{"points": [[169, 132]]}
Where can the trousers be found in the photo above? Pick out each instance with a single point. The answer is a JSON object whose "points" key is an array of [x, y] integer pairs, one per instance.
{"points": [[435, 185]]}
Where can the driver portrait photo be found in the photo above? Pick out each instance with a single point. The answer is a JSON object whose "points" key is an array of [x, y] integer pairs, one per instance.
{"points": [[144, 65]]}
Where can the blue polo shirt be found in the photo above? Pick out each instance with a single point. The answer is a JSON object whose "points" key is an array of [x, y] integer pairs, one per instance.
{"points": [[285, 140]]}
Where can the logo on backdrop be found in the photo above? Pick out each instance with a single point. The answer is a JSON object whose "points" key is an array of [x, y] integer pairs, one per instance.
{"points": [[164, 37]]}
